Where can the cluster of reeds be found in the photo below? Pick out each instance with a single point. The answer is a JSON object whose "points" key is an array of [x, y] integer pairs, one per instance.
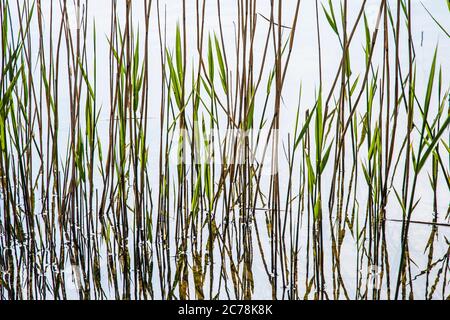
{"points": [[198, 203]]}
